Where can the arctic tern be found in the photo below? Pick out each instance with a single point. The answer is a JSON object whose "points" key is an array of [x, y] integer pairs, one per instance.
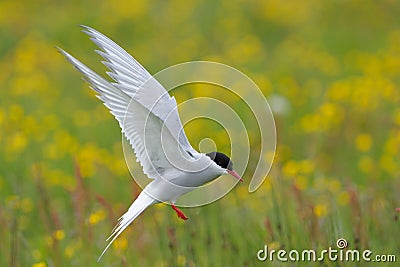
{"points": [[149, 119]]}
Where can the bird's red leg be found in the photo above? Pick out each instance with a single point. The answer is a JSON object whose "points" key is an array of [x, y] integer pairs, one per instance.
{"points": [[179, 212]]}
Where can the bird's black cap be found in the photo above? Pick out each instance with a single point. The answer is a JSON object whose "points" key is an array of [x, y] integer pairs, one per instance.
{"points": [[221, 159]]}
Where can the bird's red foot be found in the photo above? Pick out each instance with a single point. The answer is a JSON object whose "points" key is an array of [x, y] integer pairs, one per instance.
{"points": [[179, 212]]}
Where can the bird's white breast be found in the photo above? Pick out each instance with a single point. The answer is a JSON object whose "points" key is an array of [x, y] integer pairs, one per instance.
{"points": [[175, 183]]}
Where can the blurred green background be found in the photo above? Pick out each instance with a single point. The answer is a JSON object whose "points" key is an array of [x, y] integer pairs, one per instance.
{"points": [[330, 68]]}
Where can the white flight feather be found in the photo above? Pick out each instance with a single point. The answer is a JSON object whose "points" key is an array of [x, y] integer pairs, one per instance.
{"points": [[137, 207], [134, 80]]}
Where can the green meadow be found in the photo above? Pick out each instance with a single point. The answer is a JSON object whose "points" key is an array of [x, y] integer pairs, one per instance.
{"points": [[330, 68]]}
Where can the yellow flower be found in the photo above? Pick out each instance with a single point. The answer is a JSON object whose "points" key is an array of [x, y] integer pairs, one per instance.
{"points": [[320, 210], [96, 217], [66, 143], [121, 243], [69, 251], [16, 113], [39, 264], [71, 248], [17, 142], [181, 260], [290, 168], [331, 114], [26, 205], [388, 164], [117, 165], [363, 142], [306, 166], [59, 234], [391, 146], [340, 91], [311, 123]]}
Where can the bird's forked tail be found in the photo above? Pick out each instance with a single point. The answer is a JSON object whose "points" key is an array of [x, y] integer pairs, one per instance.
{"points": [[137, 207]]}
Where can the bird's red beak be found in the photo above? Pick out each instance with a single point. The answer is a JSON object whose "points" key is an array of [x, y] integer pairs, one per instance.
{"points": [[234, 174]]}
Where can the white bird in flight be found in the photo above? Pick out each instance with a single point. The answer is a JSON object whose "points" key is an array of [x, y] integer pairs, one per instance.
{"points": [[149, 119]]}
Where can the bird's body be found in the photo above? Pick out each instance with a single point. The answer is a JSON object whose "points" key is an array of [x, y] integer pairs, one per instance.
{"points": [[176, 183], [149, 119]]}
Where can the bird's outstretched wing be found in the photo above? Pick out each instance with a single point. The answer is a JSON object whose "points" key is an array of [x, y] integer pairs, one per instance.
{"points": [[150, 140], [147, 115], [135, 81]]}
